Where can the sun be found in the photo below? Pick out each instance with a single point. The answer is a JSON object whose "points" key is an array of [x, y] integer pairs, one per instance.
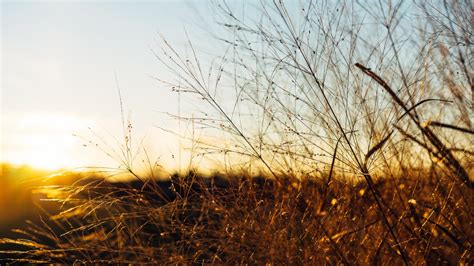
{"points": [[42, 140], [48, 152]]}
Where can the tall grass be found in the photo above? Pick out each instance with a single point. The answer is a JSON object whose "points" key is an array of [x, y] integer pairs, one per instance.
{"points": [[237, 219], [357, 115]]}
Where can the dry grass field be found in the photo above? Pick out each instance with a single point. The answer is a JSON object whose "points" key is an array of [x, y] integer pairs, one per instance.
{"points": [[242, 220], [341, 132]]}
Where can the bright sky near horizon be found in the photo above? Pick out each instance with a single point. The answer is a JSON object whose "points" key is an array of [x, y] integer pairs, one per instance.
{"points": [[58, 65]]}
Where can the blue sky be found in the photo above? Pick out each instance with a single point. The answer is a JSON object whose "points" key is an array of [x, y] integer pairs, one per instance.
{"points": [[58, 66]]}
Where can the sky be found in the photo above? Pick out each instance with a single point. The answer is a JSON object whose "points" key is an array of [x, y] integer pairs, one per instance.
{"points": [[61, 64], [63, 61]]}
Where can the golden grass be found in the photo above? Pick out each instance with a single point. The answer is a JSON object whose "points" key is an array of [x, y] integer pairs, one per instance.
{"points": [[238, 220], [363, 166]]}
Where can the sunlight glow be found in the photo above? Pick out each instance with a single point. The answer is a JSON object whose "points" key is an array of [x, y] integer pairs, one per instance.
{"points": [[43, 140]]}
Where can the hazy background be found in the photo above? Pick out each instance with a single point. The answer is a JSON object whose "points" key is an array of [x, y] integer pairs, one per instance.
{"points": [[58, 65]]}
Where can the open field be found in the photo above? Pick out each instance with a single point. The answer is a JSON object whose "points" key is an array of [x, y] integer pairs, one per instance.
{"points": [[334, 132], [237, 219]]}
